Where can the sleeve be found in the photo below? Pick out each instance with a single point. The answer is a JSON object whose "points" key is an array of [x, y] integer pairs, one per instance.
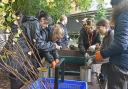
{"points": [[42, 44], [34, 27], [98, 38], [120, 42], [80, 43], [58, 42], [49, 57], [55, 54], [111, 37], [65, 40]]}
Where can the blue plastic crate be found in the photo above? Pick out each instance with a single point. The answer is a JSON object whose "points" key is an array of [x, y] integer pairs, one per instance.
{"points": [[48, 83]]}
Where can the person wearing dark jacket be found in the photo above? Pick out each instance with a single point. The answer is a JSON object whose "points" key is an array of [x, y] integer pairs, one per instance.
{"points": [[19, 48], [46, 46], [64, 42], [88, 36], [118, 50], [105, 30]]}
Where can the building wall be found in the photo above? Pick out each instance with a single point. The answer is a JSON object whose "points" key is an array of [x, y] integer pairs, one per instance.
{"points": [[74, 26]]}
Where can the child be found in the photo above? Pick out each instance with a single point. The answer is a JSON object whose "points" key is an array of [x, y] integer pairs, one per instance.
{"points": [[46, 38], [57, 34], [104, 29], [88, 36]]}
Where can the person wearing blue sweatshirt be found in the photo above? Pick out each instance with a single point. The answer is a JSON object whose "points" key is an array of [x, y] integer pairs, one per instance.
{"points": [[46, 40], [64, 42], [118, 50], [103, 26]]}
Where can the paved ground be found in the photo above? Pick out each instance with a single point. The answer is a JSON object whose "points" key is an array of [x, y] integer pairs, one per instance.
{"points": [[93, 85]]}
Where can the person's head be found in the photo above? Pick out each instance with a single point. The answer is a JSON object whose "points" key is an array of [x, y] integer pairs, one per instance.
{"points": [[19, 17], [115, 2], [89, 25], [43, 19], [58, 32], [63, 19], [119, 6], [103, 26]]}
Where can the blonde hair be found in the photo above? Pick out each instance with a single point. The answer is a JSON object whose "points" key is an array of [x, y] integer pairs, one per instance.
{"points": [[58, 31], [89, 23], [63, 17]]}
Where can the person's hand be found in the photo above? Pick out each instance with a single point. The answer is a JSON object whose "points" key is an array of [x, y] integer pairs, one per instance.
{"points": [[53, 64], [86, 55], [57, 46], [98, 47], [91, 60], [98, 56], [57, 61], [92, 48]]}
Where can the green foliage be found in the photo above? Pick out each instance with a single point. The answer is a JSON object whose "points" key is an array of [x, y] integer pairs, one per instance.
{"points": [[28, 7], [100, 1], [57, 8], [3, 57], [84, 4], [53, 7], [6, 14], [101, 12]]}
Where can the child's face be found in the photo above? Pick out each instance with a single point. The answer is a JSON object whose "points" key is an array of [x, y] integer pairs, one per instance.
{"points": [[43, 22], [57, 37], [66, 20], [102, 30], [89, 29]]}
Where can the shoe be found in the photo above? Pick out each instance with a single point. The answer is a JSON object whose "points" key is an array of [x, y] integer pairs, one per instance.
{"points": [[101, 78]]}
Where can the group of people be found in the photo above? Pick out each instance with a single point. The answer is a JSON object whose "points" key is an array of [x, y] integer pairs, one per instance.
{"points": [[48, 39], [90, 41], [114, 45], [117, 72], [36, 39]]}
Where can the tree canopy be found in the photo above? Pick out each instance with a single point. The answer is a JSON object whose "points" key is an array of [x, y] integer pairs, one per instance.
{"points": [[53, 7]]}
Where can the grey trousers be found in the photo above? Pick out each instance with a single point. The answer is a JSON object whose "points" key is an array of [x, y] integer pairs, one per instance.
{"points": [[117, 78]]}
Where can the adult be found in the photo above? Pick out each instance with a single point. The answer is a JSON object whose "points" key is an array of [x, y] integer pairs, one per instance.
{"points": [[118, 50], [65, 40]]}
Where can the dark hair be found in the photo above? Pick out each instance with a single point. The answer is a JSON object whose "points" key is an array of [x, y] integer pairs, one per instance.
{"points": [[89, 22], [41, 14], [103, 22], [62, 17], [18, 13], [122, 6], [115, 2]]}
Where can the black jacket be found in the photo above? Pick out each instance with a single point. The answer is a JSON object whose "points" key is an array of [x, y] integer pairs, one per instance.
{"points": [[65, 40], [45, 44], [83, 41]]}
